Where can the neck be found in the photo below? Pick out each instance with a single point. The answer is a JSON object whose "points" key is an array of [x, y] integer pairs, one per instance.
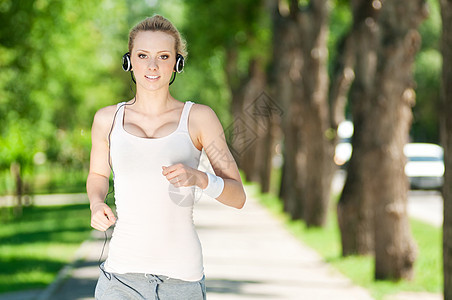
{"points": [[154, 102]]}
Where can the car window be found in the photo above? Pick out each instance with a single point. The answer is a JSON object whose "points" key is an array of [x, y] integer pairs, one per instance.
{"points": [[424, 158]]}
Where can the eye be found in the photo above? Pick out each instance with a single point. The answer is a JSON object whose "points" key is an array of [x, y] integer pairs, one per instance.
{"points": [[141, 55], [164, 56]]}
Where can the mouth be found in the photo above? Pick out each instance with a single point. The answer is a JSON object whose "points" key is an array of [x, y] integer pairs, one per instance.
{"points": [[152, 77]]}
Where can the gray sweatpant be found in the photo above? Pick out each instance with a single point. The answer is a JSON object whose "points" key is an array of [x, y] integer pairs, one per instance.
{"points": [[141, 286]]}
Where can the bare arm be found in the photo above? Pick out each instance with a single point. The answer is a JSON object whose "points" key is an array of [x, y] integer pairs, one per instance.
{"points": [[97, 183], [223, 163], [210, 134]]}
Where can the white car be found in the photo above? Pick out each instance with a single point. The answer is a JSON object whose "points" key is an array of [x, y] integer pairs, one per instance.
{"points": [[425, 165], [344, 148]]}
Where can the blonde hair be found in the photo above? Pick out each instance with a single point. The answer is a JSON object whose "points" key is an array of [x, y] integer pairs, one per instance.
{"points": [[159, 23]]}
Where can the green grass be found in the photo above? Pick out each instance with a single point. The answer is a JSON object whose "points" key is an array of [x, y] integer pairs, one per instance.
{"points": [[360, 269], [47, 179], [36, 246], [57, 179]]}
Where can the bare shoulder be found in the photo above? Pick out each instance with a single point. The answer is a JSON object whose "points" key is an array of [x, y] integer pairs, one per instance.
{"points": [[104, 116], [103, 120], [203, 114], [206, 123]]}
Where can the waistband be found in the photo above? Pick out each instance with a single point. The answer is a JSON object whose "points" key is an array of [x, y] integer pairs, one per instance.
{"points": [[151, 277]]}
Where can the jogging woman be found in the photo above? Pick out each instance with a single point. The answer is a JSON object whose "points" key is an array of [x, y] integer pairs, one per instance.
{"points": [[153, 144]]}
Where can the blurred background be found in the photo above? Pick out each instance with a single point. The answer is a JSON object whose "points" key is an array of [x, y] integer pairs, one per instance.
{"points": [[331, 109]]}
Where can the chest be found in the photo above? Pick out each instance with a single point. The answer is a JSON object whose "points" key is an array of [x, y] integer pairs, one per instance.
{"points": [[149, 127]]}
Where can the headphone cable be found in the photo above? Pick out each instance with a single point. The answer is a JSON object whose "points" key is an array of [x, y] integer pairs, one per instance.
{"points": [[111, 168]]}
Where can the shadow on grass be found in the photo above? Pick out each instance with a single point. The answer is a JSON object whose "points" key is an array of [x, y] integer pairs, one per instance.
{"points": [[36, 213], [12, 266], [61, 224], [63, 235], [34, 247], [22, 274]]}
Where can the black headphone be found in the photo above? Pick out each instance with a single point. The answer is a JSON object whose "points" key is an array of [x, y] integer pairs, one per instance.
{"points": [[178, 67]]}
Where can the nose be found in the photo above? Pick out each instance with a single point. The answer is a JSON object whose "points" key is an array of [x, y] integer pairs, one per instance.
{"points": [[153, 64]]}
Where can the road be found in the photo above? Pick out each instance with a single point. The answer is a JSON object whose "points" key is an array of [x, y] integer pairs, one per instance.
{"points": [[426, 206]]}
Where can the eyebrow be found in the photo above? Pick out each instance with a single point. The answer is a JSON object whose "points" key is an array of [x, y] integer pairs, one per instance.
{"points": [[148, 51]]}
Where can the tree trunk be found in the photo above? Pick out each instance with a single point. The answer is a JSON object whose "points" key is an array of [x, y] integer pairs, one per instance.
{"points": [[16, 173], [267, 115], [392, 99], [301, 82], [282, 86], [312, 27], [252, 90], [258, 111], [268, 147], [239, 136], [355, 208], [446, 139], [250, 141]]}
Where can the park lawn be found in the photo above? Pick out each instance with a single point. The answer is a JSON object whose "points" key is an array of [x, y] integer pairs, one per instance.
{"points": [[326, 241], [36, 246]]}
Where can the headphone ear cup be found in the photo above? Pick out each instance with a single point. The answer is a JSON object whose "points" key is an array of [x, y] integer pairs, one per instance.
{"points": [[126, 63], [180, 62]]}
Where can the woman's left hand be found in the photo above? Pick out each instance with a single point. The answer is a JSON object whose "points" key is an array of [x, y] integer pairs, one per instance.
{"points": [[181, 175]]}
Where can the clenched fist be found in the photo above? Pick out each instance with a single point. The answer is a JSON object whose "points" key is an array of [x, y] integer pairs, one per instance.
{"points": [[102, 217]]}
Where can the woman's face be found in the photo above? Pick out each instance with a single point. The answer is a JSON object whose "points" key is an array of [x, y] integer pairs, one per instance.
{"points": [[153, 58]]}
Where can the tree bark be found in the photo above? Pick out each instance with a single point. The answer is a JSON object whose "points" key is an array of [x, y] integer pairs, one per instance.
{"points": [[355, 208], [251, 142], [312, 27], [392, 99], [16, 173], [270, 141], [283, 87], [257, 110], [237, 131], [300, 76], [446, 140]]}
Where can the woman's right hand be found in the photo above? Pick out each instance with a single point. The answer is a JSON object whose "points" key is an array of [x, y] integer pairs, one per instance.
{"points": [[102, 217]]}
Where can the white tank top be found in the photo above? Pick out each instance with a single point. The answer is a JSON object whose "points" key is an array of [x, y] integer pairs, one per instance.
{"points": [[154, 232]]}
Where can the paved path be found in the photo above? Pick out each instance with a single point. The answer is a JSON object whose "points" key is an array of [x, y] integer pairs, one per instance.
{"points": [[250, 255], [426, 206], [247, 255]]}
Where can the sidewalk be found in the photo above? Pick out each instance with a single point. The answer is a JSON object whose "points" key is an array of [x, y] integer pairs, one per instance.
{"points": [[247, 255]]}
